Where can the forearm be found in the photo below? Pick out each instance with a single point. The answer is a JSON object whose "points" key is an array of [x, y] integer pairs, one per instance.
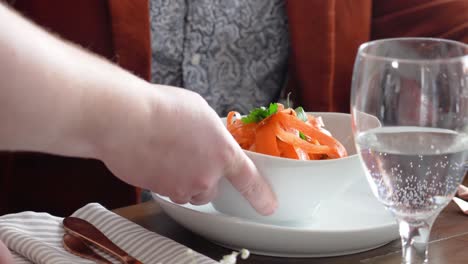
{"points": [[55, 97]]}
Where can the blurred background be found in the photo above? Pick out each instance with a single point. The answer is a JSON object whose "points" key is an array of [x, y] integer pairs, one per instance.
{"points": [[237, 54]]}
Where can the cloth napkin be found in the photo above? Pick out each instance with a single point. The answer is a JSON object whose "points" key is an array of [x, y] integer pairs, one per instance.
{"points": [[37, 238], [462, 194]]}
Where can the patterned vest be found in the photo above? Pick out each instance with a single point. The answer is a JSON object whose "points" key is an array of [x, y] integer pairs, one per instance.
{"points": [[232, 52]]}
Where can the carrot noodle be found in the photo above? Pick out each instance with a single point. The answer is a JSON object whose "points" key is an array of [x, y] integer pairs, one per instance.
{"points": [[280, 135]]}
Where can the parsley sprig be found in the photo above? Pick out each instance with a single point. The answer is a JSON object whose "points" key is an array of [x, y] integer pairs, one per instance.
{"points": [[258, 114], [301, 114], [302, 136]]}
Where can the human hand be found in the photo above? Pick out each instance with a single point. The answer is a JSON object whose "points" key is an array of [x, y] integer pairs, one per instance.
{"points": [[5, 256], [176, 145], [161, 138]]}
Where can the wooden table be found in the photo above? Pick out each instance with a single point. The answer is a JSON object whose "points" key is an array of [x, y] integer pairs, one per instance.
{"points": [[448, 242]]}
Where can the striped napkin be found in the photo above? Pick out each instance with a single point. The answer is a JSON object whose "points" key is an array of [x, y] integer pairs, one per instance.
{"points": [[37, 238], [462, 194]]}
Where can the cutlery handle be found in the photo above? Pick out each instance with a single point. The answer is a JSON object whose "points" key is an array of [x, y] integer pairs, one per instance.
{"points": [[87, 231], [77, 247]]}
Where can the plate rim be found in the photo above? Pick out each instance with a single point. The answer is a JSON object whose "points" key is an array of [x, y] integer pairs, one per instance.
{"points": [[159, 198], [324, 239]]}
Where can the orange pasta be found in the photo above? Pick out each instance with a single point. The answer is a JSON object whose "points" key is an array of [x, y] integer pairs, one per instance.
{"points": [[280, 132]]}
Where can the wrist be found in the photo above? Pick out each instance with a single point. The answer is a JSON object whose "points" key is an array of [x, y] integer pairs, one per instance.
{"points": [[115, 118]]}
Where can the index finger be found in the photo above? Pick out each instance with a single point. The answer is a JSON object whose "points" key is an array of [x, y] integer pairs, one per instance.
{"points": [[246, 179]]}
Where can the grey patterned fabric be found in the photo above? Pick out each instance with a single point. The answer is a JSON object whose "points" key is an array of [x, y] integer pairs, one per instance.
{"points": [[232, 52]]}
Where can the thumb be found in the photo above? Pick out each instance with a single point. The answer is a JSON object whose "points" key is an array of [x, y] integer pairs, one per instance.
{"points": [[246, 179]]}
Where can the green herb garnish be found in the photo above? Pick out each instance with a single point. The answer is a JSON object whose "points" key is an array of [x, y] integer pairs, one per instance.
{"points": [[301, 114], [258, 114], [302, 136]]}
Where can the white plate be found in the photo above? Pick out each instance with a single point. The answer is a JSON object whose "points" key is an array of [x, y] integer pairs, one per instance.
{"points": [[354, 223]]}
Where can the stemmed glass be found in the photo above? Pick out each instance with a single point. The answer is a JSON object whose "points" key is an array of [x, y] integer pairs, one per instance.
{"points": [[409, 107]]}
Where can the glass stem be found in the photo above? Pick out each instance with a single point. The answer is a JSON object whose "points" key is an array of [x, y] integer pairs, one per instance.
{"points": [[414, 240]]}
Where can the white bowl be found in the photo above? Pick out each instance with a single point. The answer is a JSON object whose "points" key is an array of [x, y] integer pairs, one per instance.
{"points": [[300, 186]]}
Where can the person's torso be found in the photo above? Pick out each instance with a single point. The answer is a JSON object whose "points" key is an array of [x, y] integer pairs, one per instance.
{"points": [[232, 52]]}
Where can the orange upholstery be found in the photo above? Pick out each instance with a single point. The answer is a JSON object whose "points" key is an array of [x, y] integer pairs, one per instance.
{"points": [[435, 18], [325, 35]]}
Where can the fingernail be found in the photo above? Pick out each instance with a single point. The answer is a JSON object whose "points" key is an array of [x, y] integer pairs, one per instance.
{"points": [[270, 208]]}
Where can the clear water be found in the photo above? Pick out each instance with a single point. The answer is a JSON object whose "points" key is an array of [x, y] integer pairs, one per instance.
{"points": [[414, 171]]}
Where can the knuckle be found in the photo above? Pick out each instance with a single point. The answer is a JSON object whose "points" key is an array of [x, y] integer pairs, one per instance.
{"points": [[204, 197], [249, 188], [198, 97], [203, 184], [179, 201], [180, 192], [228, 156]]}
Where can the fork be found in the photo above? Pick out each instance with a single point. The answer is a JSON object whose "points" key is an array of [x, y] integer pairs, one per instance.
{"points": [[88, 232], [77, 247]]}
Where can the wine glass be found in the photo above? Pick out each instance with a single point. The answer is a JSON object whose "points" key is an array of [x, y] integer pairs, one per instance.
{"points": [[409, 106]]}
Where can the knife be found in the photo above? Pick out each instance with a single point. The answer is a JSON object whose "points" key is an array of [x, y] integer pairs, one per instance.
{"points": [[88, 232]]}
